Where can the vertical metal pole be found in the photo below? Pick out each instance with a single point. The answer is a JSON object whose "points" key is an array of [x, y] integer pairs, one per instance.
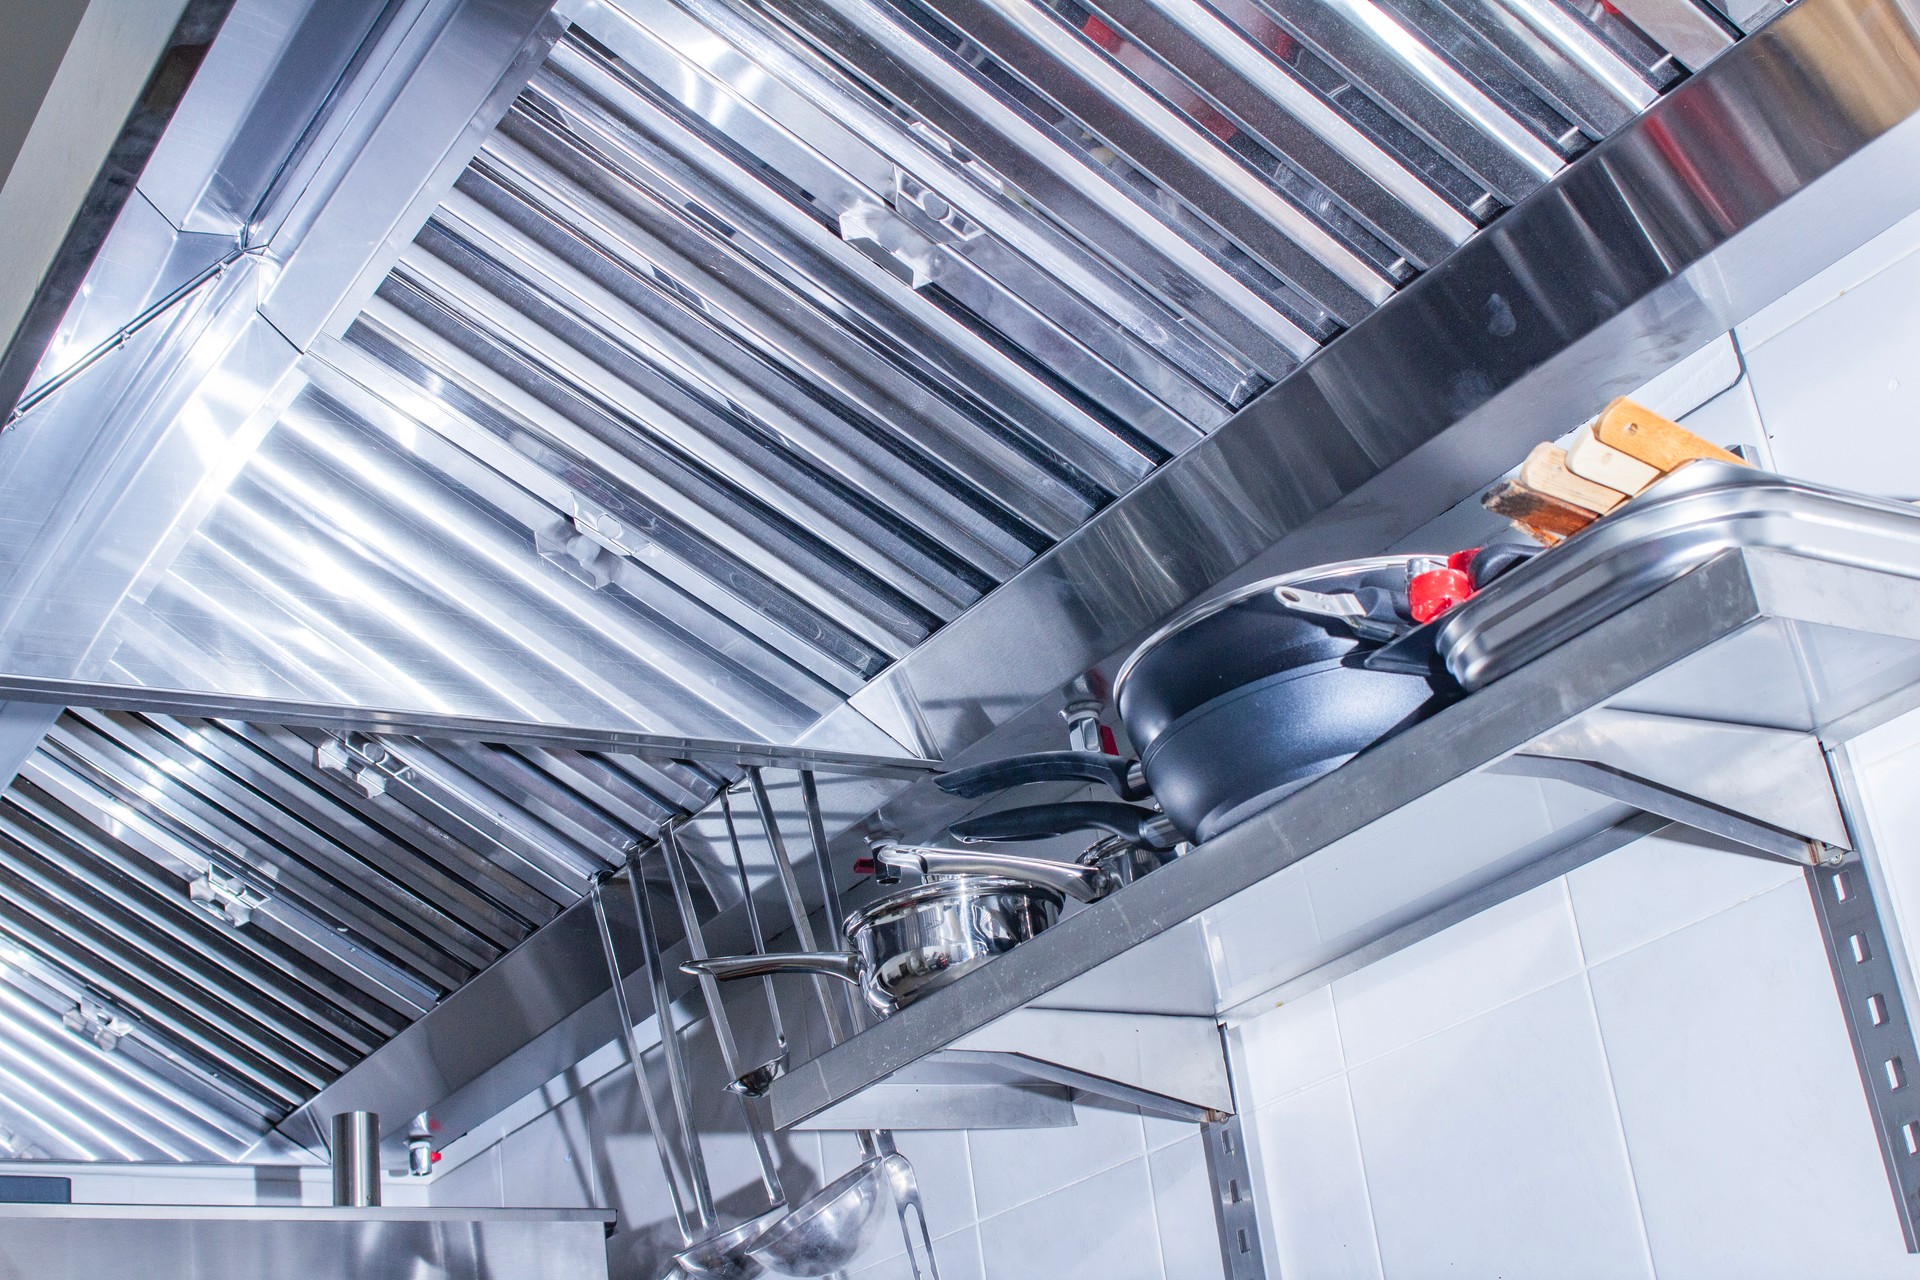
{"points": [[796, 905], [1234, 1212], [1877, 1023], [356, 1159], [753, 925], [717, 1010], [677, 1083], [829, 892], [628, 1038]]}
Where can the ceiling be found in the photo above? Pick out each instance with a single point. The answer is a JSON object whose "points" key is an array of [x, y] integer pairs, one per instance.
{"points": [[709, 357]]}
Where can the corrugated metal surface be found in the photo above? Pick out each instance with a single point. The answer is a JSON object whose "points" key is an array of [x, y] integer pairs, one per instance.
{"points": [[757, 342], [245, 911]]}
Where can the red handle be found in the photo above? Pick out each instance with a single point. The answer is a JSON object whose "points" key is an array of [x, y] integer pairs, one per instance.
{"points": [[1432, 593]]}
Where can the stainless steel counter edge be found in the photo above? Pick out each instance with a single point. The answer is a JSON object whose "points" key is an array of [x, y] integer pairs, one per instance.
{"points": [[1737, 186]]}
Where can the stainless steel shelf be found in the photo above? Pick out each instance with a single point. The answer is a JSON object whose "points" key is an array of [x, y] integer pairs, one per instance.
{"points": [[1764, 657]]}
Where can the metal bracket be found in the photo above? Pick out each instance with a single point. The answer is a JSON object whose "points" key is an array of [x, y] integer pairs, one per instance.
{"points": [[99, 1022], [942, 1094], [1877, 1024], [1768, 789], [1234, 1210], [227, 898], [1171, 1065]]}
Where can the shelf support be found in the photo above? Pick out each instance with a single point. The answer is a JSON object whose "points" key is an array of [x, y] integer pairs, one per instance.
{"points": [[1172, 1065], [1877, 1024], [1766, 789]]}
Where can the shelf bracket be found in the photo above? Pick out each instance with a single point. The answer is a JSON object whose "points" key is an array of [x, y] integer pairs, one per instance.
{"points": [[1767, 789], [1171, 1065]]}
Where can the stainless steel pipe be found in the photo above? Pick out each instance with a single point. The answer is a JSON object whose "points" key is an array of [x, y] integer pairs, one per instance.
{"points": [[356, 1159]]}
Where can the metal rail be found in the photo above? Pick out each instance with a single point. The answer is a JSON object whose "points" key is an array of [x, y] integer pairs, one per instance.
{"points": [[421, 724]]}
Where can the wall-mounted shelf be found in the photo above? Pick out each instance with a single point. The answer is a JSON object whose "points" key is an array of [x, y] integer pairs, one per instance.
{"points": [[1711, 702]]}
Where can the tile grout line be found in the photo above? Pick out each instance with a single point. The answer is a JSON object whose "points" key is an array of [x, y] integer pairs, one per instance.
{"points": [[1141, 1154], [1613, 1090], [1345, 1077]]}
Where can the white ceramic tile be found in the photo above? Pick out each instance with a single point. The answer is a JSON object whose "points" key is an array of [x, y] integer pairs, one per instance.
{"points": [[1399, 866], [1306, 1160], [1493, 1148], [1889, 817], [1183, 1210], [1857, 267], [958, 1256], [1100, 1228], [1749, 1134], [1896, 737], [1162, 1132], [550, 1163], [1663, 883], [1013, 1166], [475, 1184], [1262, 935], [1840, 389], [1499, 955], [1732, 420], [1691, 381], [1285, 1049]]}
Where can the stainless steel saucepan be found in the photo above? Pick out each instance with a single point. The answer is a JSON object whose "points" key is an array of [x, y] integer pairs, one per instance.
{"points": [[972, 907]]}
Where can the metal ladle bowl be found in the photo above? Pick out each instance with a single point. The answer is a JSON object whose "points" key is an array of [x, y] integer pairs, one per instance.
{"points": [[724, 1256], [831, 1227]]}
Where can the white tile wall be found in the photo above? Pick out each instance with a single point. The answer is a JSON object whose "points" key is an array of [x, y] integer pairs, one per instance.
{"points": [[1098, 1228], [1749, 1132], [1308, 1172]]}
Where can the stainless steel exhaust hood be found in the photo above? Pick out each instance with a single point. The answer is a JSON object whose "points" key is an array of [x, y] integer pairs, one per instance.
{"points": [[675, 368]]}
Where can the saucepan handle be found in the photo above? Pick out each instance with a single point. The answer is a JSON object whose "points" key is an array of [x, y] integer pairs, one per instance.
{"points": [[1118, 773], [831, 964], [1040, 821]]}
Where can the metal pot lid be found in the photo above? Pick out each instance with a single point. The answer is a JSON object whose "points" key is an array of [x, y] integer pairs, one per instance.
{"points": [[944, 887], [1312, 575]]}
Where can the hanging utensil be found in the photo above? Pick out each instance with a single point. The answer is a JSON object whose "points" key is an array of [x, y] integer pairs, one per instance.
{"points": [[717, 1011], [701, 1218], [756, 1081], [669, 1165], [710, 1254], [833, 1226]]}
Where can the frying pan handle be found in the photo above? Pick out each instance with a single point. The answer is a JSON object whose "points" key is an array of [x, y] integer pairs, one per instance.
{"points": [[1497, 558], [833, 964], [1039, 821], [1118, 773]]}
